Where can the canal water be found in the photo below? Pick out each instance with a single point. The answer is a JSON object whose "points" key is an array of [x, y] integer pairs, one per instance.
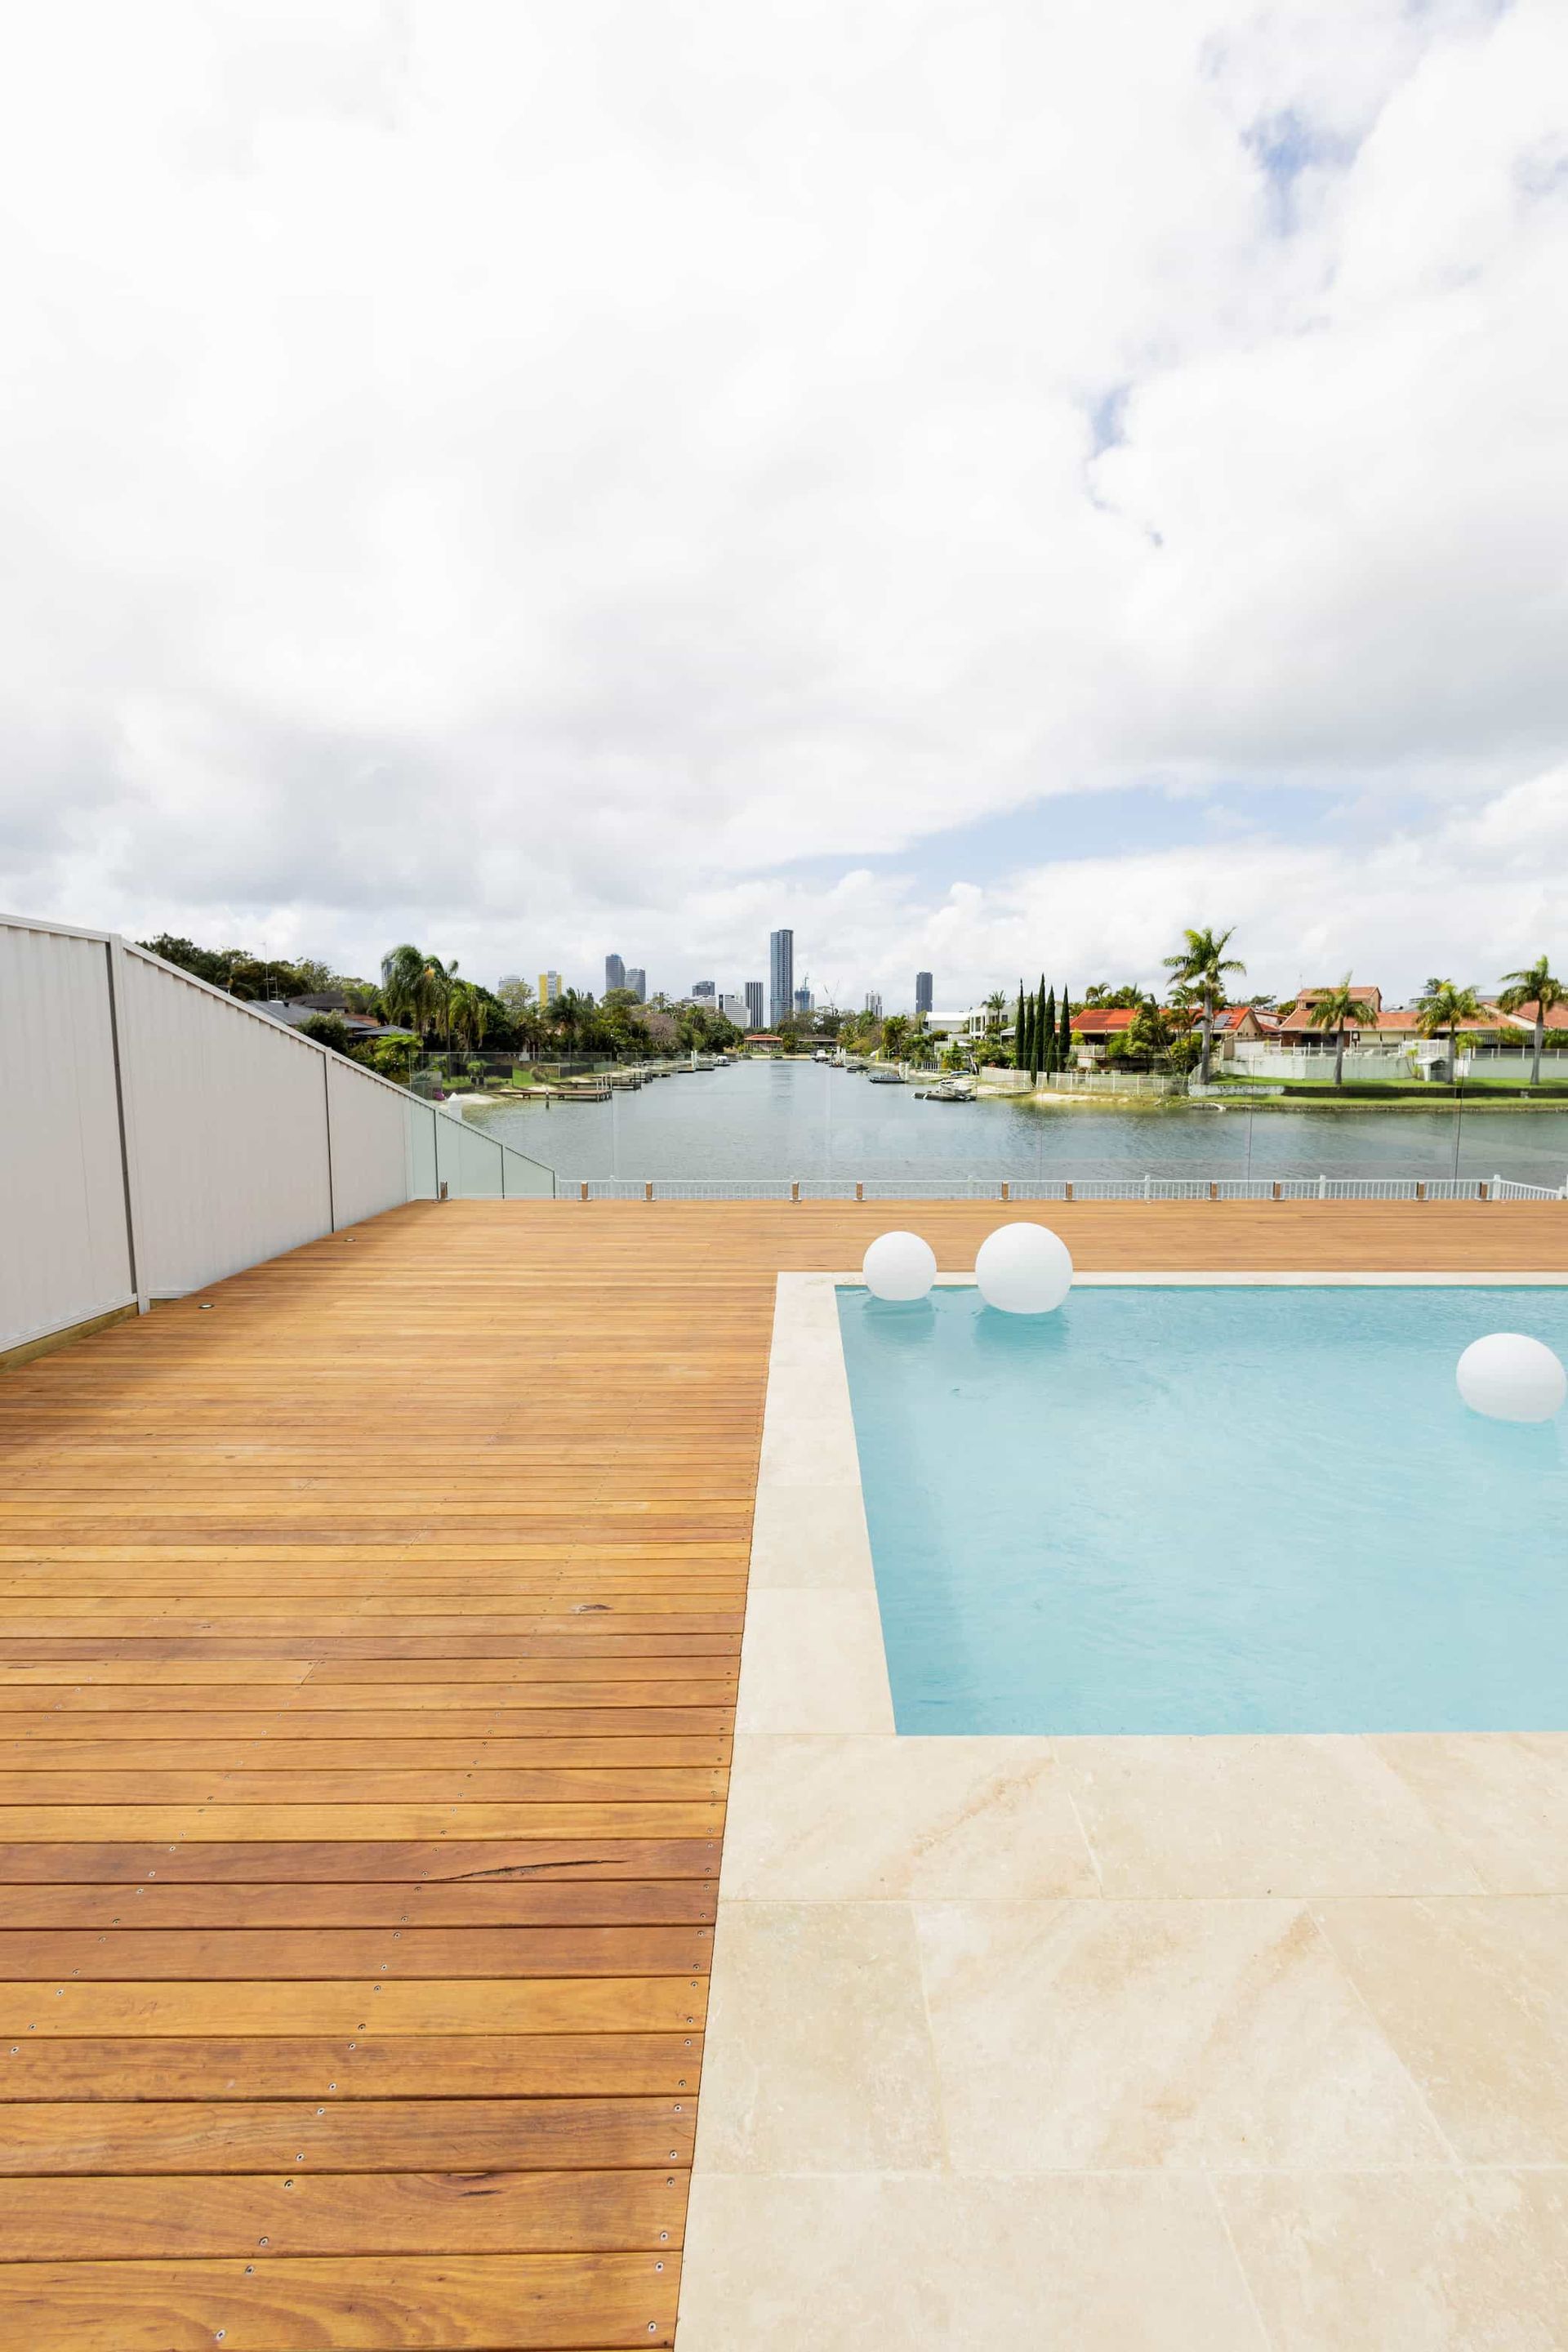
{"points": [[759, 1121]]}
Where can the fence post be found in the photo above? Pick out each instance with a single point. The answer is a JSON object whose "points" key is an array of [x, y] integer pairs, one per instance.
{"points": [[1214, 1190], [1420, 1188], [647, 1190], [1148, 1187], [584, 1189], [1067, 1194], [1497, 1188], [125, 1114], [1323, 1188], [859, 1192], [1004, 1188], [795, 1188], [1278, 1195]]}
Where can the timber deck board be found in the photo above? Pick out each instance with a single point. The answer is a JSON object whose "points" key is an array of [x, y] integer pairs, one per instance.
{"points": [[368, 1651]]}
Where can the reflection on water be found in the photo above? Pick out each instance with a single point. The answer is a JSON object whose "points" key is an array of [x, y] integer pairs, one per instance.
{"points": [[761, 1120]]}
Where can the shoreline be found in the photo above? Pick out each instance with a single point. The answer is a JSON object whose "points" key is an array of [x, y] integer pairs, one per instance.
{"points": [[1155, 1105]]}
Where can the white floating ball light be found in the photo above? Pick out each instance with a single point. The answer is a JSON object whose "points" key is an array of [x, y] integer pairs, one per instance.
{"points": [[1024, 1269], [1511, 1378], [898, 1266]]}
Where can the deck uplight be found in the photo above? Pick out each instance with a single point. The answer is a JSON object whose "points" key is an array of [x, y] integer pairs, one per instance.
{"points": [[1024, 1269], [898, 1266], [1511, 1378]]}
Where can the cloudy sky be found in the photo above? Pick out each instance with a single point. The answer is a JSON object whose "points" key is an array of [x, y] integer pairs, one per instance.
{"points": [[983, 483]]}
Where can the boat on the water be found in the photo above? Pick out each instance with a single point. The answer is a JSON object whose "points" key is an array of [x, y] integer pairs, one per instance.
{"points": [[886, 1075]]}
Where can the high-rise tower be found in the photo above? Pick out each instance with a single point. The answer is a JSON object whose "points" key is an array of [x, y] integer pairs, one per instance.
{"points": [[781, 976], [923, 991]]}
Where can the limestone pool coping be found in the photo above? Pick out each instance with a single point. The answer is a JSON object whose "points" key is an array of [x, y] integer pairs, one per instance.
{"points": [[1124, 2043]]}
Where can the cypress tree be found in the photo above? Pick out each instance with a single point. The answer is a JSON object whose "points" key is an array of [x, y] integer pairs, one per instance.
{"points": [[1066, 1047], [1048, 1026], [1020, 1039]]}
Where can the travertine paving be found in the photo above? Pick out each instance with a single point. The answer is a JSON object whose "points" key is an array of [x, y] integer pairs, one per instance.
{"points": [[1101, 2042]]}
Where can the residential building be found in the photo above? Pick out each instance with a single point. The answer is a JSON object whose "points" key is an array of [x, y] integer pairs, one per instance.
{"points": [[636, 981], [923, 991], [753, 1019], [615, 973], [874, 1004], [803, 1001], [1243, 1025], [781, 975], [295, 1011], [704, 992], [973, 1023], [551, 986], [1097, 1024], [1296, 1020], [734, 1008]]}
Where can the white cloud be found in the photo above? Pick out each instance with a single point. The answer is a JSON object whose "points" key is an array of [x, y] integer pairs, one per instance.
{"points": [[523, 476]]}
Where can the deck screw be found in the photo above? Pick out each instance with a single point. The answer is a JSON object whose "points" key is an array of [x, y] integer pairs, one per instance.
{"points": [[288, 2184], [263, 2241], [320, 2111]]}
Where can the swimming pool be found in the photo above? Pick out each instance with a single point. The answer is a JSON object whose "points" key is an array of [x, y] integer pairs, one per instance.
{"points": [[1194, 1509]]}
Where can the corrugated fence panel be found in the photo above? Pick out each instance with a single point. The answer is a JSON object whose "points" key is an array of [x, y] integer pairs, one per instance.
{"points": [[64, 1244], [231, 1131], [371, 1151]]}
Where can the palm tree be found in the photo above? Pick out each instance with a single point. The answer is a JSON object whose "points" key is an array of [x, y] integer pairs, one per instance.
{"points": [[995, 1006], [895, 1029], [467, 1015], [1201, 968], [1339, 1009], [1442, 1006], [404, 992], [1535, 985]]}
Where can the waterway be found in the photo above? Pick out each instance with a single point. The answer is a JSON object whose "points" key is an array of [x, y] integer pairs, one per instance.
{"points": [[756, 1121]]}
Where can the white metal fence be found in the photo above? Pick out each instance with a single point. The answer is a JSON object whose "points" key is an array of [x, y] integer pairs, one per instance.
{"points": [[155, 1134], [1062, 1188]]}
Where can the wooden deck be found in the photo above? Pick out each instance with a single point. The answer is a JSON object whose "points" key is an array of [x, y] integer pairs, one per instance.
{"points": [[367, 1660]]}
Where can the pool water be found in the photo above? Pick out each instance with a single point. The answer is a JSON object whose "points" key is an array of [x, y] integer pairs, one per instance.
{"points": [[1210, 1510]]}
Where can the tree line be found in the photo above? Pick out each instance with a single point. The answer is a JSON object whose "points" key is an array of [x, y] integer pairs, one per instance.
{"points": [[433, 1008]]}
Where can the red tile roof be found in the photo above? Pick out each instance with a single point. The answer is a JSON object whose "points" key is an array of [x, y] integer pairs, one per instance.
{"points": [[1556, 1017]]}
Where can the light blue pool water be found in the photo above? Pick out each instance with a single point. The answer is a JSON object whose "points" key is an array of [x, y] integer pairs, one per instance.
{"points": [[1210, 1510]]}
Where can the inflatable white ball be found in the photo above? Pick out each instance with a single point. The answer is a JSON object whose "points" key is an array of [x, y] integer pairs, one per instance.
{"points": [[1024, 1269], [898, 1266], [1510, 1378]]}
